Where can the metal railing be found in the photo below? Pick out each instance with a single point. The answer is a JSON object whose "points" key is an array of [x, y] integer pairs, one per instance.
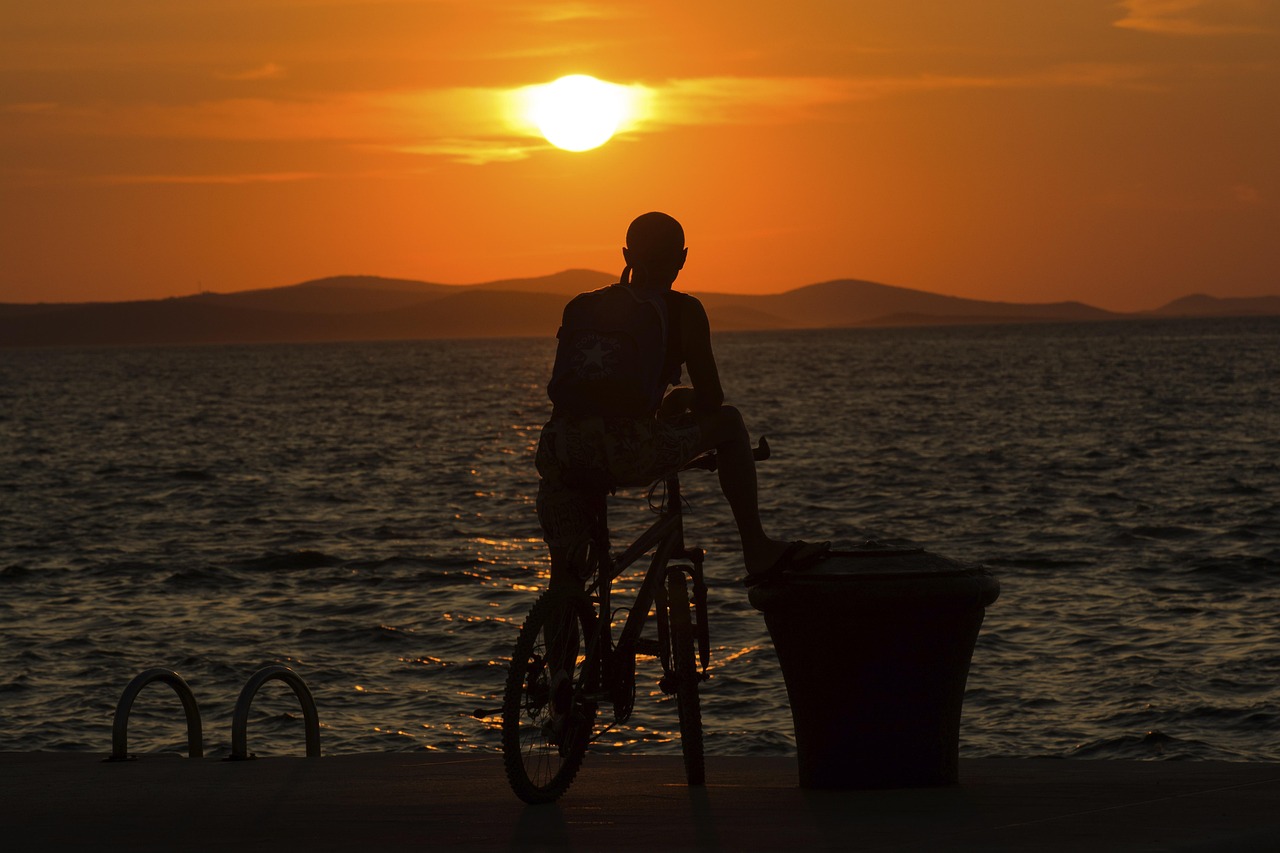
{"points": [[120, 725], [240, 720]]}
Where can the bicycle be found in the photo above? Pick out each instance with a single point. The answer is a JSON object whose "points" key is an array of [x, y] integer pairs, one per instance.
{"points": [[566, 661]]}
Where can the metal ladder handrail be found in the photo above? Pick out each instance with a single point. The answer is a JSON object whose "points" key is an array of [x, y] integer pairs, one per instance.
{"points": [[240, 720], [120, 725]]}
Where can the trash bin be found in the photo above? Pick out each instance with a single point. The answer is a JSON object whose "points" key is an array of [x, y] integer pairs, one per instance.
{"points": [[875, 644]]}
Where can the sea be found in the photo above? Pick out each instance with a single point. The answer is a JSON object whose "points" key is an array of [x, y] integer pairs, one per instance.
{"points": [[364, 514]]}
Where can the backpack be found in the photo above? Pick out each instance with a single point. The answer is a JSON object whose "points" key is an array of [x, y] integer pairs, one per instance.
{"points": [[611, 354]]}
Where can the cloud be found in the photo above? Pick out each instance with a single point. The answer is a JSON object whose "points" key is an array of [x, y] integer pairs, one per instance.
{"points": [[358, 118], [474, 152], [1194, 17], [33, 108], [1195, 199], [1246, 194], [477, 125], [739, 100], [555, 13], [267, 71], [251, 178], [742, 100]]}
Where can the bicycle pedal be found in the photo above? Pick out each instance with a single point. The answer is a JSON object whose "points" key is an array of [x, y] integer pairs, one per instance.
{"points": [[648, 646]]}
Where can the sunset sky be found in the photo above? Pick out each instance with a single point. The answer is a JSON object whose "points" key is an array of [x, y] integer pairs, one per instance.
{"points": [[1119, 153]]}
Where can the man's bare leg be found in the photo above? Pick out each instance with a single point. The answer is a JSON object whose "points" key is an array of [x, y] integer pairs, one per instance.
{"points": [[725, 431]]}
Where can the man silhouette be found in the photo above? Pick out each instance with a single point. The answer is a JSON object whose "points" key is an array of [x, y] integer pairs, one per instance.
{"points": [[586, 447]]}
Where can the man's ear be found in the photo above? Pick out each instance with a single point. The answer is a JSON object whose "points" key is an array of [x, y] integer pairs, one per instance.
{"points": [[684, 255], [626, 256]]}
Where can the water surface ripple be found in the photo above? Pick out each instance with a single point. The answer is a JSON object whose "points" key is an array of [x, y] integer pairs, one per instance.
{"points": [[364, 514]]}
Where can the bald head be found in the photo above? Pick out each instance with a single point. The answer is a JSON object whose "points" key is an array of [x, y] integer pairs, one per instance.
{"points": [[655, 249], [655, 233]]}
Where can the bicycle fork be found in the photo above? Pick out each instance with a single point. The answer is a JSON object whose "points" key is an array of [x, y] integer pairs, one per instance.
{"points": [[702, 625], [698, 584]]}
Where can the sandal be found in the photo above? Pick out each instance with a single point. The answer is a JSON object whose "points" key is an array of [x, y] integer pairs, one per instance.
{"points": [[798, 555]]}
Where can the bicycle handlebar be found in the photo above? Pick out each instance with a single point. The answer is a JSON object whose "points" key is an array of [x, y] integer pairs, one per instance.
{"points": [[708, 462]]}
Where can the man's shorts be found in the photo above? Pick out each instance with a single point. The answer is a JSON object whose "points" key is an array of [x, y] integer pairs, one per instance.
{"points": [[574, 453]]}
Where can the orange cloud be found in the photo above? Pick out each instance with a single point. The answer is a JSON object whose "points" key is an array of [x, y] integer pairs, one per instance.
{"points": [[267, 71], [33, 108], [475, 125], [1193, 17], [1195, 199], [768, 100], [263, 178], [474, 152], [553, 13]]}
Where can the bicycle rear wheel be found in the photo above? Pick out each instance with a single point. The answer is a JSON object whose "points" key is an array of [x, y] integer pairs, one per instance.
{"points": [[546, 725], [685, 668]]}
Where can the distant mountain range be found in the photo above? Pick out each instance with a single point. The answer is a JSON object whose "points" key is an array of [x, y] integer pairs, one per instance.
{"points": [[372, 308]]}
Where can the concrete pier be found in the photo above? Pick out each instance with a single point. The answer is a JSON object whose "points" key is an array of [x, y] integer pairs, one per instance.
{"points": [[434, 801]]}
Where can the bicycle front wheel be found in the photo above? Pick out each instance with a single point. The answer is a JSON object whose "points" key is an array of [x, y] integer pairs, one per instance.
{"points": [[546, 725], [684, 664]]}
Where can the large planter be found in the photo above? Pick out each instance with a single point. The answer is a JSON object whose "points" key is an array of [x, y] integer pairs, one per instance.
{"points": [[875, 644]]}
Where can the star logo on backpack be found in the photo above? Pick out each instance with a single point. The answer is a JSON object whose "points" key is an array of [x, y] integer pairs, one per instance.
{"points": [[595, 355]]}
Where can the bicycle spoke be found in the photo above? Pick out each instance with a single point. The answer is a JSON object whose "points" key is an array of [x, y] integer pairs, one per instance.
{"points": [[545, 724]]}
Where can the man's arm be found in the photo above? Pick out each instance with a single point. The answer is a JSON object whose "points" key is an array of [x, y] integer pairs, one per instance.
{"points": [[695, 332]]}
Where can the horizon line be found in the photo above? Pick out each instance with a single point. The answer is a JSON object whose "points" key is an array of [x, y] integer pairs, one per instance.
{"points": [[570, 270]]}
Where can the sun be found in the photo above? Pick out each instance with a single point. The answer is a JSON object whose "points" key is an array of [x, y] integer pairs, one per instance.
{"points": [[579, 112]]}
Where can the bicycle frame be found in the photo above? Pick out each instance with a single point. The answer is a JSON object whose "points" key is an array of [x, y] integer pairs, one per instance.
{"points": [[610, 665]]}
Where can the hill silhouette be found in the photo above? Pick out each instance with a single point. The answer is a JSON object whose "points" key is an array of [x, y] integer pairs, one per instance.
{"points": [[1200, 305], [366, 307], [362, 294], [852, 302]]}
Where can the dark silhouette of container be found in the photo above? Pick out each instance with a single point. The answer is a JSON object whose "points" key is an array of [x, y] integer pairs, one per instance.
{"points": [[875, 645]]}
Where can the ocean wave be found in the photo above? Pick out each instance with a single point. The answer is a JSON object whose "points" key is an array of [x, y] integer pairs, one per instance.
{"points": [[1149, 746], [1163, 532], [289, 561], [364, 514], [1236, 569], [204, 577], [193, 475]]}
